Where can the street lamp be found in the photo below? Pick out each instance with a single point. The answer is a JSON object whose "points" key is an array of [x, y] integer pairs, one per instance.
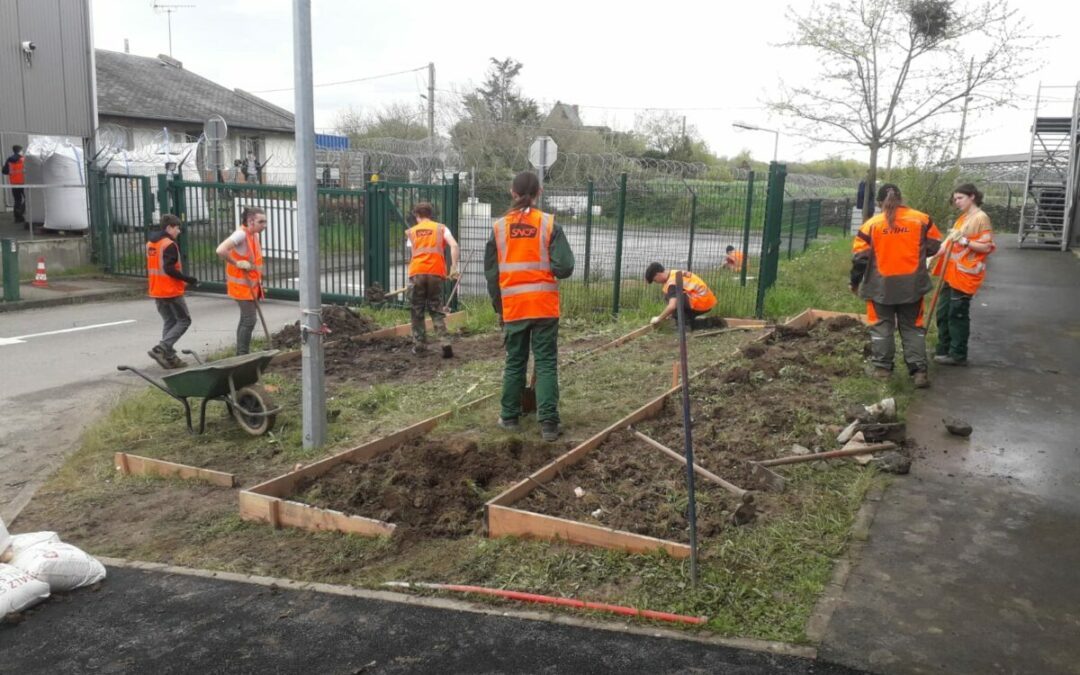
{"points": [[751, 127]]}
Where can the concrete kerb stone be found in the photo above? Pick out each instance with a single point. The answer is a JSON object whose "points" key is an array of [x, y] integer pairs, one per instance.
{"points": [[818, 623], [749, 644]]}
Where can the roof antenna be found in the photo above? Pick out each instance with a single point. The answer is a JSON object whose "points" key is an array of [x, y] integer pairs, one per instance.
{"points": [[160, 7]]}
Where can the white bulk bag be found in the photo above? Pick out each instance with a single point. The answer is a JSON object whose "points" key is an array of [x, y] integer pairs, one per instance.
{"points": [[62, 566], [19, 590]]}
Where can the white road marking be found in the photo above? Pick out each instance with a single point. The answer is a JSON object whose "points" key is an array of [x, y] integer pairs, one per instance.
{"points": [[23, 338]]}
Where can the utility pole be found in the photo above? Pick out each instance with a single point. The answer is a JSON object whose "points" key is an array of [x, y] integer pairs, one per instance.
{"points": [[313, 394], [963, 117], [431, 119]]}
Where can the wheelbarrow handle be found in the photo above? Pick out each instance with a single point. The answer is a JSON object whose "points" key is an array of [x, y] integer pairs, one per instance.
{"points": [[149, 379], [193, 355]]}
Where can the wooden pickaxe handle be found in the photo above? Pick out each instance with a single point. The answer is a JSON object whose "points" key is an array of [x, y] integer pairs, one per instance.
{"points": [[701, 471], [795, 459]]}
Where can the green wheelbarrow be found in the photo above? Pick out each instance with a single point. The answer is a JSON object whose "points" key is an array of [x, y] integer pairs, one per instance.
{"points": [[233, 381]]}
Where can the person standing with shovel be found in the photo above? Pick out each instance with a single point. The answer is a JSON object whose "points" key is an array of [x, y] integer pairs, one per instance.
{"points": [[523, 261], [243, 272], [427, 273]]}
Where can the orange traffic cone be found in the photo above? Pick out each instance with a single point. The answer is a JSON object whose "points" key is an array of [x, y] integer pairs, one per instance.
{"points": [[40, 280]]}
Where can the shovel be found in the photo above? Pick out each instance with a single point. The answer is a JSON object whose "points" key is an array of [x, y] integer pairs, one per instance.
{"points": [[258, 310], [528, 394]]}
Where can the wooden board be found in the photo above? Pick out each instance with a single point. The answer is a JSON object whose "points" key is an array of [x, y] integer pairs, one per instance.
{"points": [[135, 465], [505, 522], [401, 330], [809, 317], [284, 513]]}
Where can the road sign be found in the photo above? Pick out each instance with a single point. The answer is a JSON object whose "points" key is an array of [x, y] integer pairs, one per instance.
{"points": [[215, 129], [543, 152]]}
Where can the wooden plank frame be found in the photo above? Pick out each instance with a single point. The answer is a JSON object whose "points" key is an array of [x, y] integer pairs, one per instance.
{"points": [[401, 330], [503, 520], [136, 465]]}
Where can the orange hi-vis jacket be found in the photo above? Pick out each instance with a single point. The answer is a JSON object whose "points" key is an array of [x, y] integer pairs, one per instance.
{"points": [[895, 256], [160, 284], [701, 298], [735, 260], [965, 269], [526, 282], [17, 172], [236, 279], [428, 248]]}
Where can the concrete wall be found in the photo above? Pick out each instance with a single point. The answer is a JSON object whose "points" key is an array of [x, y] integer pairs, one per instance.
{"points": [[60, 254]]}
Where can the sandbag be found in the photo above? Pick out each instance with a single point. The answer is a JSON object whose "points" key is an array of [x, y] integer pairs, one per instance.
{"points": [[62, 566], [21, 542], [19, 589]]}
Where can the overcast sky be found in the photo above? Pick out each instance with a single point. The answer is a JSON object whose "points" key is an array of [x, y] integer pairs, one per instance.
{"points": [[715, 62]]}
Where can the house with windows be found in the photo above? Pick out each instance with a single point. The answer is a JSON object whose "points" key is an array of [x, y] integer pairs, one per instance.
{"points": [[154, 102]]}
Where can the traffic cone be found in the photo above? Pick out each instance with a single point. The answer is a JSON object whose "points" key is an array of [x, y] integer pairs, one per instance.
{"points": [[40, 280]]}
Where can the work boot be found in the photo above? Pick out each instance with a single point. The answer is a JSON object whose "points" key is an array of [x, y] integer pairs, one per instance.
{"points": [[550, 430], [159, 354], [946, 360], [419, 348], [175, 361], [920, 379], [879, 373], [509, 425]]}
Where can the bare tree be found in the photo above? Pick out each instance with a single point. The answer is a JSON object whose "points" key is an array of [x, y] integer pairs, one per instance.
{"points": [[888, 67]]}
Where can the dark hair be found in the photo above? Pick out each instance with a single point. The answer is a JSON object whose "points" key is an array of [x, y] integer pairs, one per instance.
{"points": [[423, 210], [970, 190], [729, 249], [652, 270], [16, 149], [250, 211], [168, 220], [527, 188], [888, 195]]}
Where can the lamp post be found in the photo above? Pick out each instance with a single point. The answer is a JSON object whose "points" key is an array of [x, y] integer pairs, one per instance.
{"points": [[751, 127]]}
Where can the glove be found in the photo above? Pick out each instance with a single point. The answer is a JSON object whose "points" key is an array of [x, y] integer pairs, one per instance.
{"points": [[655, 320], [963, 241], [244, 265], [455, 274], [192, 282]]}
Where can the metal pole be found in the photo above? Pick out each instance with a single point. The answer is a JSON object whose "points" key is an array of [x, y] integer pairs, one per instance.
{"points": [[776, 145], [431, 119], [688, 443], [313, 396], [540, 171], [693, 224], [620, 227], [588, 231], [746, 228]]}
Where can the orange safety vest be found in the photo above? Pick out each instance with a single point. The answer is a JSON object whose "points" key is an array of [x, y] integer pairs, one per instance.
{"points": [[735, 260], [237, 279], [528, 286], [161, 285], [965, 269], [428, 244], [17, 171], [701, 298], [896, 274]]}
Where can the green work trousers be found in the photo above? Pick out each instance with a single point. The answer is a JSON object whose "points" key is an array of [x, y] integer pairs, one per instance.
{"points": [[953, 323], [543, 336]]}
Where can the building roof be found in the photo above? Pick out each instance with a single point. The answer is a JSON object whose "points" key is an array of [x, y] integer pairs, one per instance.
{"points": [[564, 114], [160, 89]]}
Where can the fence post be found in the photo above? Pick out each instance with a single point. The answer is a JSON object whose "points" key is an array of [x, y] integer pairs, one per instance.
{"points": [[693, 223], [746, 228], [1008, 210], [813, 214], [791, 226], [11, 269], [588, 230], [453, 206], [771, 238], [620, 225], [163, 194]]}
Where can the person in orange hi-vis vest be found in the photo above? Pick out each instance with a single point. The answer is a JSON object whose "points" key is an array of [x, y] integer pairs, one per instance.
{"points": [[888, 270], [523, 260], [166, 283], [428, 273], [962, 261], [733, 259], [15, 170], [700, 300], [243, 258]]}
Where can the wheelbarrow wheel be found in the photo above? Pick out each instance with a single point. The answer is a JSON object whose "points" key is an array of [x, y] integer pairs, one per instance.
{"points": [[254, 399]]}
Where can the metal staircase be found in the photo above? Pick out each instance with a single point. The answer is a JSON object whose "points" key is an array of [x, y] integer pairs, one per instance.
{"points": [[1050, 197]]}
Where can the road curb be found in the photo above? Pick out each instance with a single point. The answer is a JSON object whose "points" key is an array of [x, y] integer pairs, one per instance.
{"points": [[106, 296], [749, 644]]}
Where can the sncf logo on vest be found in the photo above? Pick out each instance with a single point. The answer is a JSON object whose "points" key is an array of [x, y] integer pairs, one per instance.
{"points": [[424, 234], [522, 231]]}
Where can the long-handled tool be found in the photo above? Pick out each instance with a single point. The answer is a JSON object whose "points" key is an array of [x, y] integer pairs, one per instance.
{"points": [[528, 394], [258, 310], [688, 443], [937, 291], [747, 509], [457, 285], [775, 481]]}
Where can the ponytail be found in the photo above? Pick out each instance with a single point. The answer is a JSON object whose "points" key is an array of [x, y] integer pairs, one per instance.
{"points": [[526, 189], [890, 199]]}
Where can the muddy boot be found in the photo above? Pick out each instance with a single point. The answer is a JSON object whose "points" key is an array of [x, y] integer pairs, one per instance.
{"points": [[175, 361], [159, 354], [880, 373], [946, 360], [920, 379], [550, 430], [509, 425], [419, 349]]}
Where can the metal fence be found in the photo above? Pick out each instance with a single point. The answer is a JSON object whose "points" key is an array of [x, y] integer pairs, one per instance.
{"points": [[615, 232]]}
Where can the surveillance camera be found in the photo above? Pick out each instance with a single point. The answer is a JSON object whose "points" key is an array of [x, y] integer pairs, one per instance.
{"points": [[28, 46]]}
